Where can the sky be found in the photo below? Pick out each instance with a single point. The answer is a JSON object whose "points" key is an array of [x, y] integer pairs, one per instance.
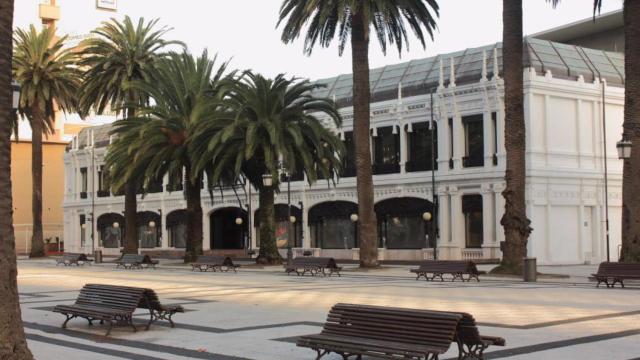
{"points": [[244, 31]]}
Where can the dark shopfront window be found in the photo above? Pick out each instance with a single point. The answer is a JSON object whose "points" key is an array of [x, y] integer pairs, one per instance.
{"points": [[334, 233], [472, 210], [386, 151], [420, 147], [474, 141], [400, 223], [331, 227]]}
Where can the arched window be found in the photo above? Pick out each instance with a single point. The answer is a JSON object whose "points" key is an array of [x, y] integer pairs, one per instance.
{"points": [[400, 223], [149, 229], [331, 226], [111, 230], [177, 229]]}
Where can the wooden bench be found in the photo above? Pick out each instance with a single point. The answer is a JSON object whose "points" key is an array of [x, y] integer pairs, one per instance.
{"points": [[384, 333], [215, 263], [96, 300], [313, 265], [611, 273], [135, 261], [69, 259], [99, 302], [439, 268], [471, 345]]}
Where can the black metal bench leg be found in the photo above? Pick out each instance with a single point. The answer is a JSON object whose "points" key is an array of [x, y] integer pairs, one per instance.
{"points": [[321, 353], [109, 328], [69, 317]]}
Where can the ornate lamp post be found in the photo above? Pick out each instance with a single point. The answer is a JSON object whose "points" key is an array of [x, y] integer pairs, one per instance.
{"points": [[624, 148]]}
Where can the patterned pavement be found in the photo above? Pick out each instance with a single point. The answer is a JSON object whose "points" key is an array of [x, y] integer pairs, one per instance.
{"points": [[258, 313]]}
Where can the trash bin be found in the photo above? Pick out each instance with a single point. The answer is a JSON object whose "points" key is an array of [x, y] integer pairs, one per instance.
{"points": [[530, 270], [97, 256]]}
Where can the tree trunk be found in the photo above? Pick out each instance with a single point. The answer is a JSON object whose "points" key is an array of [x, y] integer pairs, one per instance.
{"points": [[367, 226], [130, 219], [631, 125], [194, 220], [13, 345], [515, 221], [131, 243], [37, 241], [268, 248]]}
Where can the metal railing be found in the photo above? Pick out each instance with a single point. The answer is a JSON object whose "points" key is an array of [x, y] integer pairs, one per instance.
{"points": [[472, 254]]}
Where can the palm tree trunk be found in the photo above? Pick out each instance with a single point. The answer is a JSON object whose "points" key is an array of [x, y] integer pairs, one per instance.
{"points": [[131, 243], [194, 220], [13, 344], [130, 218], [268, 248], [37, 241], [367, 227], [631, 125], [515, 221]]}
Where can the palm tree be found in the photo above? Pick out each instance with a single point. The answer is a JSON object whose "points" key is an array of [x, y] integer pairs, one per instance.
{"points": [[185, 91], [13, 344], [119, 53], [390, 20], [266, 122], [631, 130], [48, 79]]}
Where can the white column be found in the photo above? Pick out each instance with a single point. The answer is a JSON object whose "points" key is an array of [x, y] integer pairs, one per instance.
{"points": [[443, 146], [458, 142], [487, 134], [457, 225], [164, 231], [306, 234], [404, 149], [444, 219], [502, 152], [488, 230], [206, 231]]}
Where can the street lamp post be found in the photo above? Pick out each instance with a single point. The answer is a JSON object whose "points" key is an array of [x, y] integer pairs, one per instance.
{"points": [[15, 87], [289, 222]]}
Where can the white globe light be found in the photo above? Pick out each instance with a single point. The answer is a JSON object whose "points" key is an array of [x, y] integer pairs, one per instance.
{"points": [[116, 224], [292, 219], [426, 216], [354, 217], [152, 224], [83, 226], [238, 221]]}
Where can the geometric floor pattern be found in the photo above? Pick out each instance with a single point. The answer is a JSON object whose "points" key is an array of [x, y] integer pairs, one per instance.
{"points": [[258, 313]]}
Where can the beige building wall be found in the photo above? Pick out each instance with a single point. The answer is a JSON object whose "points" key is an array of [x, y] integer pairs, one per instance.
{"points": [[52, 191]]}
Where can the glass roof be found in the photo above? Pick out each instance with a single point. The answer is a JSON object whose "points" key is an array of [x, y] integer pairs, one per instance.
{"points": [[418, 76]]}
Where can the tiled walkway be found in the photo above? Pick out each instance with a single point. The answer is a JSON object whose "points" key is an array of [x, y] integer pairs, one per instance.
{"points": [[256, 314]]}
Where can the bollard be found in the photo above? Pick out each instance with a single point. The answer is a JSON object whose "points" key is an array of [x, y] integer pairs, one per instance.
{"points": [[97, 256], [530, 270]]}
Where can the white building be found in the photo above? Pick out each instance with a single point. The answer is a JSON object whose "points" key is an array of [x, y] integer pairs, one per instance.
{"points": [[564, 91]]}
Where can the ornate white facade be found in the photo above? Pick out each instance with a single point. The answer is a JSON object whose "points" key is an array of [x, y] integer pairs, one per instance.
{"points": [[565, 167]]}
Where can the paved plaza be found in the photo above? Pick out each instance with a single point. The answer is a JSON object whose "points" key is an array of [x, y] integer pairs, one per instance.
{"points": [[258, 313]]}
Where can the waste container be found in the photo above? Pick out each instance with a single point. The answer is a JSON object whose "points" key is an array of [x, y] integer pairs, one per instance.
{"points": [[530, 270], [97, 256]]}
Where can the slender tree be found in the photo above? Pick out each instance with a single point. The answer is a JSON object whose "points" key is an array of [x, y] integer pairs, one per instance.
{"points": [[117, 54], [264, 122], [354, 19], [631, 130], [48, 79], [13, 344], [186, 90]]}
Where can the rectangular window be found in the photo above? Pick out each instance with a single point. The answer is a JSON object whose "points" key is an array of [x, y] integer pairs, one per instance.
{"points": [[349, 168], [472, 210], [474, 141], [103, 182], [83, 230], [420, 146], [84, 184], [450, 123], [386, 151], [494, 121]]}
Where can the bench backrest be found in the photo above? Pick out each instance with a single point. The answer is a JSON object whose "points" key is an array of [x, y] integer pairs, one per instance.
{"points": [[327, 262], [73, 257], [617, 268], [450, 265], [217, 260], [411, 326], [112, 296], [135, 258]]}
